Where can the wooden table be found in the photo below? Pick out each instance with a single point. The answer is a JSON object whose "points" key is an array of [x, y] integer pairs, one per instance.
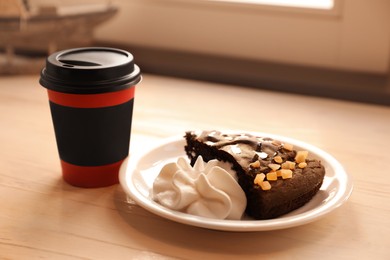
{"points": [[43, 217]]}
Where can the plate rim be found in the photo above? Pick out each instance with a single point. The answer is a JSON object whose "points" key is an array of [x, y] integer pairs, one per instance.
{"points": [[128, 170]]}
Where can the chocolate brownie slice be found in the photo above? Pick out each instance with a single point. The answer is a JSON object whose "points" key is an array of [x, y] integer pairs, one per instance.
{"points": [[275, 178]]}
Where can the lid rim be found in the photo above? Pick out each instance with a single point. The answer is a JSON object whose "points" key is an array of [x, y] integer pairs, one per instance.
{"points": [[80, 89]]}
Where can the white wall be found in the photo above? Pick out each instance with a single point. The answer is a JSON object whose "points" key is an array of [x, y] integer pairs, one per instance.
{"points": [[355, 37]]}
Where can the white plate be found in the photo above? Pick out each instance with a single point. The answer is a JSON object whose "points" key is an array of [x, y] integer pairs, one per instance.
{"points": [[138, 173]]}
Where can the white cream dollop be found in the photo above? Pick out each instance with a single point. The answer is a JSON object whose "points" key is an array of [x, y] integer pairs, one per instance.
{"points": [[207, 189]]}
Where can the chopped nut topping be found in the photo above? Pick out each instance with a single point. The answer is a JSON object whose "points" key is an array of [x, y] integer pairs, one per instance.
{"points": [[278, 167], [278, 159], [276, 142], [272, 176], [286, 174], [255, 164], [288, 147], [274, 166], [259, 178], [301, 156], [265, 185], [288, 165], [302, 165]]}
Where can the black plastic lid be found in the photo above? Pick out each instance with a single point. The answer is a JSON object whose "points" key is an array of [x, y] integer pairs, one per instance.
{"points": [[90, 70]]}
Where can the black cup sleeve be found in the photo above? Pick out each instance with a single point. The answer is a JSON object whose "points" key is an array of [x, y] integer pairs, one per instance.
{"points": [[92, 136]]}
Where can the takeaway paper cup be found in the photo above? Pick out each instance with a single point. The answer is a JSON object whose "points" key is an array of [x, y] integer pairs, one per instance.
{"points": [[91, 96]]}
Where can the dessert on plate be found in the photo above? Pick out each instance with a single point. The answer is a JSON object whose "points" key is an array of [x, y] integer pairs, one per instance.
{"points": [[275, 177]]}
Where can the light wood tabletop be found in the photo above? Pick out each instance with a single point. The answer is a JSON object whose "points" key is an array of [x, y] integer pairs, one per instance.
{"points": [[42, 217]]}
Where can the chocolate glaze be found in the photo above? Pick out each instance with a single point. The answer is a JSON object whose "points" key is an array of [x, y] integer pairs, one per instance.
{"points": [[245, 148]]}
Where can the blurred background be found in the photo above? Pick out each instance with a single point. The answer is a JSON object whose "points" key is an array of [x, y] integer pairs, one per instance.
{"points": [[332, 48]]}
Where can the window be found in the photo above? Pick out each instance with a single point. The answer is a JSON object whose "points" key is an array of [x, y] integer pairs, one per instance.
{"points": [[352, 35], [317, 4]]}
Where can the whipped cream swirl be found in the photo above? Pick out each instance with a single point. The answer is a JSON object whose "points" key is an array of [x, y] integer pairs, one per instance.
{"points": [[207, 189]]}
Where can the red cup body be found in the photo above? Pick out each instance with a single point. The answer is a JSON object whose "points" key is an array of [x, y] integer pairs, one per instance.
{"points": [[93, 134]]}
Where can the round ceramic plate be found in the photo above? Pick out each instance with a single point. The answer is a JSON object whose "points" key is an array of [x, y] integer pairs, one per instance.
{"points": [[138, 173]]}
